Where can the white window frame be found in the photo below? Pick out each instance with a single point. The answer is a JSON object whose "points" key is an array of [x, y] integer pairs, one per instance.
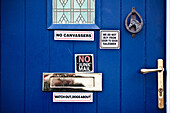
{"points": [[168, 56]]}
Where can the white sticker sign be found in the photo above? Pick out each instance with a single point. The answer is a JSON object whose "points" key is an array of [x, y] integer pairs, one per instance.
{"points": [[109, 39], [84, 63], [72, 97], [74, 35]]}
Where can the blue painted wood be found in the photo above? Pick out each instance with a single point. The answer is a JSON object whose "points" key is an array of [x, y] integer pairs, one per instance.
{"points": [[61, 60], [12, 56], [132, 60], [37, 57], [28, 49], [155, 49], [0, 55], [87, 48], [109, 61], [110, 14]]}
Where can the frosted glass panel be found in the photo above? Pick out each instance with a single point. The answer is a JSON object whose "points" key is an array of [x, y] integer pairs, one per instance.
{"points": [[73, 11]]}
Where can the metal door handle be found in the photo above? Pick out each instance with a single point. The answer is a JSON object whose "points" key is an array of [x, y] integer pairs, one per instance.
{"points": [[144, 71], [160, 71]]}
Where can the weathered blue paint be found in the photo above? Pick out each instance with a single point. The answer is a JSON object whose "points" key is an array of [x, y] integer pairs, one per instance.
{"points": [[28, 49]]}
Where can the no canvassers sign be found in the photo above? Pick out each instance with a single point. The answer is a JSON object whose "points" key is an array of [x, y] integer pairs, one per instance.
{"points": [[74, 35], [84, 63]]}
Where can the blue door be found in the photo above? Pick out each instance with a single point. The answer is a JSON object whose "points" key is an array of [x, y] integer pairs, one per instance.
{"points": [[28, 49]]}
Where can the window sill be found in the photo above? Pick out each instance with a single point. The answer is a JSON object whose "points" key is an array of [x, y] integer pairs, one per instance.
{"points": [[73, 26]]}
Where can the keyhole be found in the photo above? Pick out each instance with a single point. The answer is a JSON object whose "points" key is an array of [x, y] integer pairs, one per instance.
{"points": [[160, 92]]}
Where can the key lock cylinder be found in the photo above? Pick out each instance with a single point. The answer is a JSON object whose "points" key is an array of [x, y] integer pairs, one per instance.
{"points": [[134, 26]]}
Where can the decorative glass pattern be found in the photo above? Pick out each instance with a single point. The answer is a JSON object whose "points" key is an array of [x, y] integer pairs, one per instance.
{"points": [[73, 11]]}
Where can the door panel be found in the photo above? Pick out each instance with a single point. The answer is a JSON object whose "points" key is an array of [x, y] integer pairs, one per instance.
{"points": [[37, 56], [12, 56], [155, 49], [28, 49], [109, 61], [132, 60]]}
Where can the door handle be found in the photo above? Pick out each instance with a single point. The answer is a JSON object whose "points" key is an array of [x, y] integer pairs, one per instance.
{"points": [[144, 71], [160, 71]]}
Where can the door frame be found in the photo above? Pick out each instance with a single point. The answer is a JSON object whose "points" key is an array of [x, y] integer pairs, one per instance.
{"points": [[168, 56]]}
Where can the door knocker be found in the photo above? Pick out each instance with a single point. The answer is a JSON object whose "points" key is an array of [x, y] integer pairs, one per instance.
{"points": [[135, 26]]}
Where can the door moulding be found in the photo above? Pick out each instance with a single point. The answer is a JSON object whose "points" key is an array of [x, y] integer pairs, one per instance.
{"points": [[168, 56]]}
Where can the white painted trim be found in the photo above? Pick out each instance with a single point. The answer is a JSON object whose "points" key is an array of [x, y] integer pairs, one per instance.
{"points": [[168, 56]]}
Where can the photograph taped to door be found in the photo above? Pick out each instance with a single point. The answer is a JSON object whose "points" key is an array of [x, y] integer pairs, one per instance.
{"points": [[109, 39], [84, 63]]}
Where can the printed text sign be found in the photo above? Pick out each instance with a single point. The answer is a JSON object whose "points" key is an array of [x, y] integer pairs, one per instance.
{"points": [[109, 39], [72, 97], [74, 35], [84, 63]]}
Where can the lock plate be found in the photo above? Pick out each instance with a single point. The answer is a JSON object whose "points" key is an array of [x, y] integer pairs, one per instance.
{"points": [[160, 71], [160, 85]]}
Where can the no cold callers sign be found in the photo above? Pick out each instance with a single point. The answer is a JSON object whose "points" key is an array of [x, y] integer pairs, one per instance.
{"points": [[84, 63]]}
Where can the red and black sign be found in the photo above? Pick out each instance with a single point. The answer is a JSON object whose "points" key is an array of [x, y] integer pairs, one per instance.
{"points": [[84, 63]]}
